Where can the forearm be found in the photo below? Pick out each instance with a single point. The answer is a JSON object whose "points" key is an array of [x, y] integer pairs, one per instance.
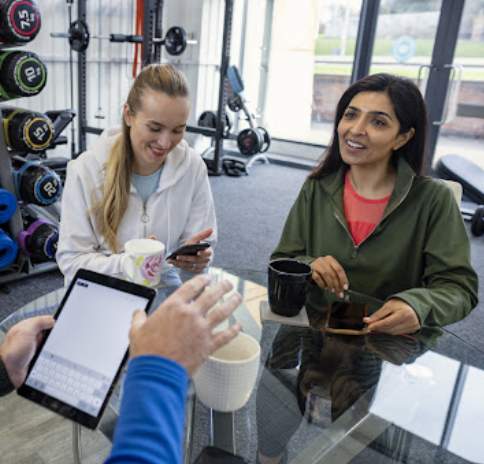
{"points": [[439, 305], [151, 422], [70, 262]]}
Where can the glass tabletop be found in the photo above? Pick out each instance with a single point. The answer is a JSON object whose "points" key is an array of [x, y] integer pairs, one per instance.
{"points": [[336, 398], [327, 398]]}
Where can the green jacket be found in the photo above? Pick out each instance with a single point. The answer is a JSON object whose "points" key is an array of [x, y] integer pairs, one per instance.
{"points": [[419, 252]]}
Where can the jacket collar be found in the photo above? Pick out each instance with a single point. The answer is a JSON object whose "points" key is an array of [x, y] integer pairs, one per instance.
{"points": [[333, 184]]}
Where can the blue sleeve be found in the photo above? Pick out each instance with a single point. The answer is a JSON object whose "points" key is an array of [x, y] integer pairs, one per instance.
{"points": [[150, 427]]}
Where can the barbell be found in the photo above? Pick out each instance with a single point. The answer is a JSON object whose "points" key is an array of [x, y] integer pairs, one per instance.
{"points": [[175, 40]]}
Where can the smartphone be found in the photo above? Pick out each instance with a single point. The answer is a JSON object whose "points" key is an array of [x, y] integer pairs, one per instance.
{"points": [[189, 250], [214, 455], [76, 366], [347, 316]]}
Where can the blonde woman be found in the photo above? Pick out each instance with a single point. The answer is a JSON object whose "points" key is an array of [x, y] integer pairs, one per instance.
{"points": [[139, 181]]}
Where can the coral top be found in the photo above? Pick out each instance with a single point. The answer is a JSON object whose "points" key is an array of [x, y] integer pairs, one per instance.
{"points": [[362, 214]]}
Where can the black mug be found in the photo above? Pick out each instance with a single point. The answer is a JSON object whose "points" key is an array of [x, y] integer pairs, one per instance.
{"points": [[288, 283]]}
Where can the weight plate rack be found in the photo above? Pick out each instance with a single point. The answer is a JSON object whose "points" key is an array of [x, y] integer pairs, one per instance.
{"points": [[14, 35]]}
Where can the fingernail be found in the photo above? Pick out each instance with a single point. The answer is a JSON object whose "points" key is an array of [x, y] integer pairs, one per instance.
{"points": [[332, 290], [341, 295], [345, 287]]}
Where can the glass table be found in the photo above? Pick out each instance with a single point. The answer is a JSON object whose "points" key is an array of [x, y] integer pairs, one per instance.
{"points": [[324, 398]]}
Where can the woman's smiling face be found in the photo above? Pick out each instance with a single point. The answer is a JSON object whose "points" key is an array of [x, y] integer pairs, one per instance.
{"points": [[155, 129], [368, 131]]}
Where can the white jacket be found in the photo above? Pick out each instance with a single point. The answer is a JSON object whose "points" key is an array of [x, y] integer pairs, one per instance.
{"points": [[181, 206]]}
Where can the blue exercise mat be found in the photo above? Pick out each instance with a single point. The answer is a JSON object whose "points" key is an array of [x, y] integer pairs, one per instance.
{"points": [[8, 205], [8, 250]]}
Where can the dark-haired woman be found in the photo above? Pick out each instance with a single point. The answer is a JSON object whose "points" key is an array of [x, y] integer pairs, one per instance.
{"points": [[366, 218]]}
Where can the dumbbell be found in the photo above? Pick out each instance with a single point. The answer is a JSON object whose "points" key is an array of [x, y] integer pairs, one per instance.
{"points": [[19, 21], [8, 205], [8, 250], [209, 119], [27, 131], [39, 239], [253, 140], [37, 184], [22, 74], [477, 224]]}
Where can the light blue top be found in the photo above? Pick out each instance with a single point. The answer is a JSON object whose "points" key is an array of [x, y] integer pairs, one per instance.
{"points": [[146, 185]]}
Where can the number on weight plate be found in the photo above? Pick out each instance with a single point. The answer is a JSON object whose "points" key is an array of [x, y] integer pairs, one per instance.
{"points": [[25, 19], [40, 132], [50, 189], [31, 73]]}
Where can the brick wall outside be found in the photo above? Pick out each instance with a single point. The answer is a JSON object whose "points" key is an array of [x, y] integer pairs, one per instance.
{"points": [[327, 89]]}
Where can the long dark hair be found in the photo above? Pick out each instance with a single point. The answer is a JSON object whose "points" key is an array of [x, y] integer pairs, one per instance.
{"points": [[409, 108]]}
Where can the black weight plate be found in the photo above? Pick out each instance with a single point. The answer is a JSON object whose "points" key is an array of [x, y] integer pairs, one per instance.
{"points": [[208, 119], [235, 103], [175, 40], [79, 35], [249, 142]]}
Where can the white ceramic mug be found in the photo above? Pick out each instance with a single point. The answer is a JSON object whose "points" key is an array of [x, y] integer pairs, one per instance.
{"points": [[144, 261], [226, 380]]}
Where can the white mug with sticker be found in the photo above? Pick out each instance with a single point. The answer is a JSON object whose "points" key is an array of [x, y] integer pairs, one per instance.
{"points": [[143, 261]]}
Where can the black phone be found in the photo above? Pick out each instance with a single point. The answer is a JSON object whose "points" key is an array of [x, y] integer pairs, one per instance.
{"points": [[214, 455], [189, 250], [348, 316], [76, 367]]}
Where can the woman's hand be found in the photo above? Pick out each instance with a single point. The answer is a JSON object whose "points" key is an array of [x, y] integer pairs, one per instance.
{"points": [[198, 262], [395, 317], [329, 274]]}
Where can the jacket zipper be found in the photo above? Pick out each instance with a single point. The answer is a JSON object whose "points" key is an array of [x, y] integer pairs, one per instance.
{"points": [[144, 219], [355, 246]]}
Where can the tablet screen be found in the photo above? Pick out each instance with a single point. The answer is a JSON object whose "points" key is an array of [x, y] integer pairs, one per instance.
{"points": [[82, 354]]}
